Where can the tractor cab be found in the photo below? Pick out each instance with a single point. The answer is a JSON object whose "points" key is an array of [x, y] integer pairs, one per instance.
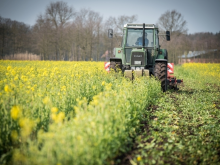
{"points": [[139, 45]]}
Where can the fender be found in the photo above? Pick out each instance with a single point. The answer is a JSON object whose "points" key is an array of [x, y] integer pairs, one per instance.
{"points": [[165, 54], [162, 54], [115, 59], [161, 60]]}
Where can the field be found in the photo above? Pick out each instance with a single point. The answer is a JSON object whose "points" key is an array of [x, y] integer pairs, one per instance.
{"points": [[183, 127], [76, 112]]}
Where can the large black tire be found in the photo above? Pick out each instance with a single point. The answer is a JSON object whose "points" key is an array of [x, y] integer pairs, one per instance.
{"points": [[160, 72], [115, 65]]}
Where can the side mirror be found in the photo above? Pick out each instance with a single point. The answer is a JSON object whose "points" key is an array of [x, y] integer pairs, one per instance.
{"points": [[168, 35], [110, 33]]}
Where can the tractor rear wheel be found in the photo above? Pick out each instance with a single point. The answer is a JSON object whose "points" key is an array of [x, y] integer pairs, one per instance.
{"points": [[160, 72]]}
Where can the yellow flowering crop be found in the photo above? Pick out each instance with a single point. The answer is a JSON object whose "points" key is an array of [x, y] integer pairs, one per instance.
{"points": [[139, 158], [7, 89], [74, 110], [54, 109], [14, 135], [26, 126], [46, 100], [15, 112], [204, 69]]}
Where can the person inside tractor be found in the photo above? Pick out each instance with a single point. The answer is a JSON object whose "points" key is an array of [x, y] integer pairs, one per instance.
{"points": [[140, 39]]}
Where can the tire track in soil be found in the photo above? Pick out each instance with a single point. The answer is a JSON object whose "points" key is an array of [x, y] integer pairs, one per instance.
{"points": [[126, 158]]}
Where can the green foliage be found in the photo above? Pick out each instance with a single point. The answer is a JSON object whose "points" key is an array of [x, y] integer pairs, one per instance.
{"points": [[184, 127]]}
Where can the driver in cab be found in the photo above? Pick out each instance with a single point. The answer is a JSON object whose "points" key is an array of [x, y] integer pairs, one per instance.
{"points": [[140, 40]]}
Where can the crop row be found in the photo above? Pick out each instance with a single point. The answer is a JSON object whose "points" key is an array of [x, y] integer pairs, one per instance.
{"points": [[68, 112], [183, 127]]}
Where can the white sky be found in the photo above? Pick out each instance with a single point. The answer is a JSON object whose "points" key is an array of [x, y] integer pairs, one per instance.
{"points": [[201, 15]]}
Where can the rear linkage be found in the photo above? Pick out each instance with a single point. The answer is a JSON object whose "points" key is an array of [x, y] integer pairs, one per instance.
{"points": [[171, 80]]}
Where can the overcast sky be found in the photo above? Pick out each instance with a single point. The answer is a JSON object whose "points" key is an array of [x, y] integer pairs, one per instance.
{"points": [[201, 15]]}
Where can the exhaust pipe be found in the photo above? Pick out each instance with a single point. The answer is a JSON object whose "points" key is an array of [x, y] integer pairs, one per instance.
{"points": [[143, 43]]}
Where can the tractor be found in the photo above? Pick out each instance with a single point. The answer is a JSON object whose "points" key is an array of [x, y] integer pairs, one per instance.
{"points": [[140, 54]]}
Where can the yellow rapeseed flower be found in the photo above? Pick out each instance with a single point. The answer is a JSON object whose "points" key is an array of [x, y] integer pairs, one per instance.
{"points": [[76, 109], [94, 102], [7, 89], [139, 158], [14, 135], [18, 156], [46, 100], [26, 126], [93, 124], [78, 137], [15, 112], [108, 86], [9, 68], [53, 116], [32, 88], [63, 88], [60, 117], [54, 109]]}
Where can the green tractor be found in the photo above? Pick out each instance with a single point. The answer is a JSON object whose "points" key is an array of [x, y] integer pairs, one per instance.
{"points": [[140, 53]]}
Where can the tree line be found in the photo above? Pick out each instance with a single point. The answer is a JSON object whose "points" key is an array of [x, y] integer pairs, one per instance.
{"points": [[62, 33], [15, 37], [181, 42]]}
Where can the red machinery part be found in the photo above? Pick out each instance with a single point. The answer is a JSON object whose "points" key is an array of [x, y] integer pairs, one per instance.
{"points": [[172, 81], [170, 70], [107, 66]]}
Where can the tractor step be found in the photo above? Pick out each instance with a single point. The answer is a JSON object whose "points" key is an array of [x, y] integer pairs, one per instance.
{"points": [[131, 74]]}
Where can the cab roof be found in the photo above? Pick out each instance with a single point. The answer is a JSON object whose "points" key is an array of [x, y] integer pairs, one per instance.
{"points": [[135, 25]]}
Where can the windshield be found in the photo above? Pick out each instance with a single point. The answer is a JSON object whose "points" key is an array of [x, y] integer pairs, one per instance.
{"points": [[134, 37]]}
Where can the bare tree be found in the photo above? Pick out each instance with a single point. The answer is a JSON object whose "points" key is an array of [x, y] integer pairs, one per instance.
{"points": [[87, 33], [59, 14], [43, 36], [172, 21], [118, 23]]}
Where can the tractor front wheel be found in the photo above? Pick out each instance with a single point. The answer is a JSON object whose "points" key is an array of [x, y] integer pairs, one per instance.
{"points": [[115, 65], [160, 72]]}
